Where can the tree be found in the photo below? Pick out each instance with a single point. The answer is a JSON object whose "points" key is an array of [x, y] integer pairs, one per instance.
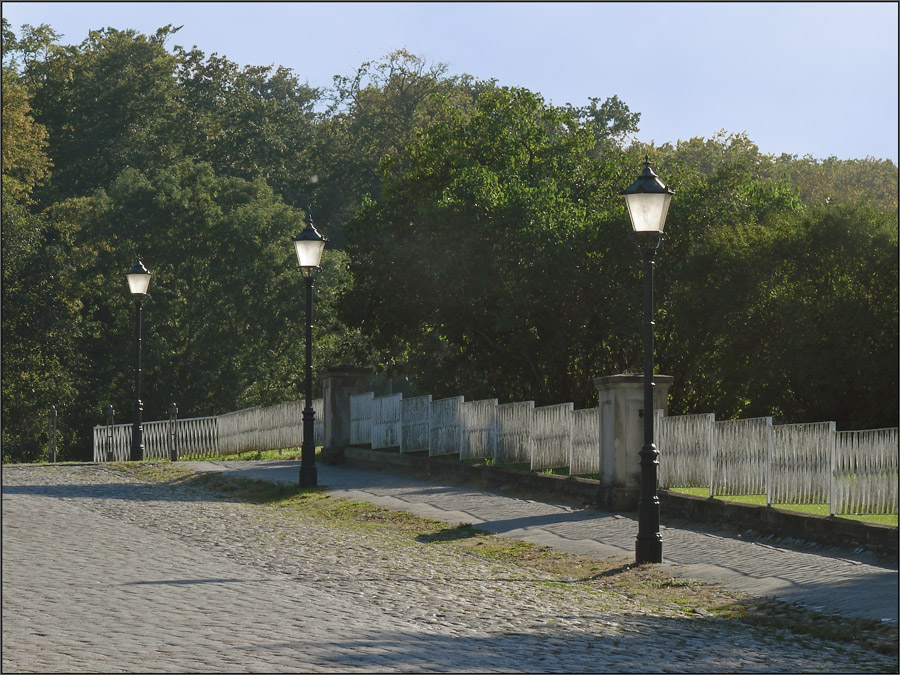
{"points": [[34, 45], [762, 296], [834, 318], [464, 268], [224, 313], [251, 122], [611, 122], [222, 319], [373, 113], [38, 326], [107, 104], [24, 160], [835, 181]]}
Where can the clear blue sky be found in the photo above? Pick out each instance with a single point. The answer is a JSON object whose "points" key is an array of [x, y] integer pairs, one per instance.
{"points": [[799, 78]]}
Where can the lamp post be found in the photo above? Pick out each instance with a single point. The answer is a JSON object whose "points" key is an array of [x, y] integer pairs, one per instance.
{"points": [[309, 245], [172, 434], [648, 202], [110, 420], [138, 281]]}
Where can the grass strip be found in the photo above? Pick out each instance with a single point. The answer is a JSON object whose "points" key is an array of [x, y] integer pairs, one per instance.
{"points": [[250, 455], [819, 509]]}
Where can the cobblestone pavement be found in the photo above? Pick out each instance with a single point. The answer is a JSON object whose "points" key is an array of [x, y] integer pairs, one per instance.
{"points": [[105, 573], [829, 579]]}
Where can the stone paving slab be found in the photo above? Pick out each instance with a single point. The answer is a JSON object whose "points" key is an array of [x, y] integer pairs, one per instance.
{"points": [[105, 573], [839, 581]]}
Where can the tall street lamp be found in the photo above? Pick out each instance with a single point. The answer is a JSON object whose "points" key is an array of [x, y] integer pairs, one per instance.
{"points": [[138, 281], [309, 245], [648, 202]]}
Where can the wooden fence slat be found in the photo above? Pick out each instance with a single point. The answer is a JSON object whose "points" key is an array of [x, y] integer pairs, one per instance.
{"points": [[446, 429], [478, 428], [386, 421], [685, 445], [585, 446], [866, 468], [741, 448], [361, 418], [415, 422], [800, 463], [514, 424], [551, 436]]}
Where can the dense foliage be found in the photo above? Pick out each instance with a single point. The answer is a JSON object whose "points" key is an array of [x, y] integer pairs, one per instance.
{"points": [[478, 244]]}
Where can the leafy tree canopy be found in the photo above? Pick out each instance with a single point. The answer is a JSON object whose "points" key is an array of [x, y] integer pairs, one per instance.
{"points": [[486, 211], [479, 245]]}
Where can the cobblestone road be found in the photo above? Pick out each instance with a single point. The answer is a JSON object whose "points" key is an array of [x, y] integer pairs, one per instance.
{"points": [[826, 578], [104, 573]]}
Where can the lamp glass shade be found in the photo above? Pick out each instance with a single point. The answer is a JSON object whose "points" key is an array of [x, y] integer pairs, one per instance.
{"points": [[138, 279], [648, 210], [309, 245], [309, 252]]}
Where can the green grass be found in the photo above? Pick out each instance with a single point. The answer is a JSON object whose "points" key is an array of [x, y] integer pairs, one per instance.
{"points": [[819, 509], [251, 455]]}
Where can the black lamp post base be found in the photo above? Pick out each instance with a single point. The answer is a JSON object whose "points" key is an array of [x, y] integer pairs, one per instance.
{"points": [[308, 477], [648, 550], [137, 432]]}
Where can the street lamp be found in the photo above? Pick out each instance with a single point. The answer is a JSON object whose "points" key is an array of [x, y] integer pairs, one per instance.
{"points": [[138, 281], [648, 202], [309, 245]]}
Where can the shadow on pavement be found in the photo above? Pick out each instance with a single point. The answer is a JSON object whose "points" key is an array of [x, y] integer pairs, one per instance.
{"points": [[600, 643]]}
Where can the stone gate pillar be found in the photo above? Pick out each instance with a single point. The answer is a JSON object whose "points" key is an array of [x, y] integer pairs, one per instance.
{"points": [[622, 435], [340, 383]]}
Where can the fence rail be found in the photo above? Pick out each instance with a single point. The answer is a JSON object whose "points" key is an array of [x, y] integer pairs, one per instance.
{"points": [[551, 438], [584, 458], [415, 423], [361, 418]]}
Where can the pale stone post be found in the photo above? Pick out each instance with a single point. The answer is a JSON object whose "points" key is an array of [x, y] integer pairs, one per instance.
{"points": [[340, 383], [622, 435]]}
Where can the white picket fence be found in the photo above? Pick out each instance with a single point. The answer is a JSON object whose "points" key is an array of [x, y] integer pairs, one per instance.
{"points": [[851, 471], [386, 425], [446, 430], [260, 428], [514, 433], [549, 437], [865, 471], [415, 422]]}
